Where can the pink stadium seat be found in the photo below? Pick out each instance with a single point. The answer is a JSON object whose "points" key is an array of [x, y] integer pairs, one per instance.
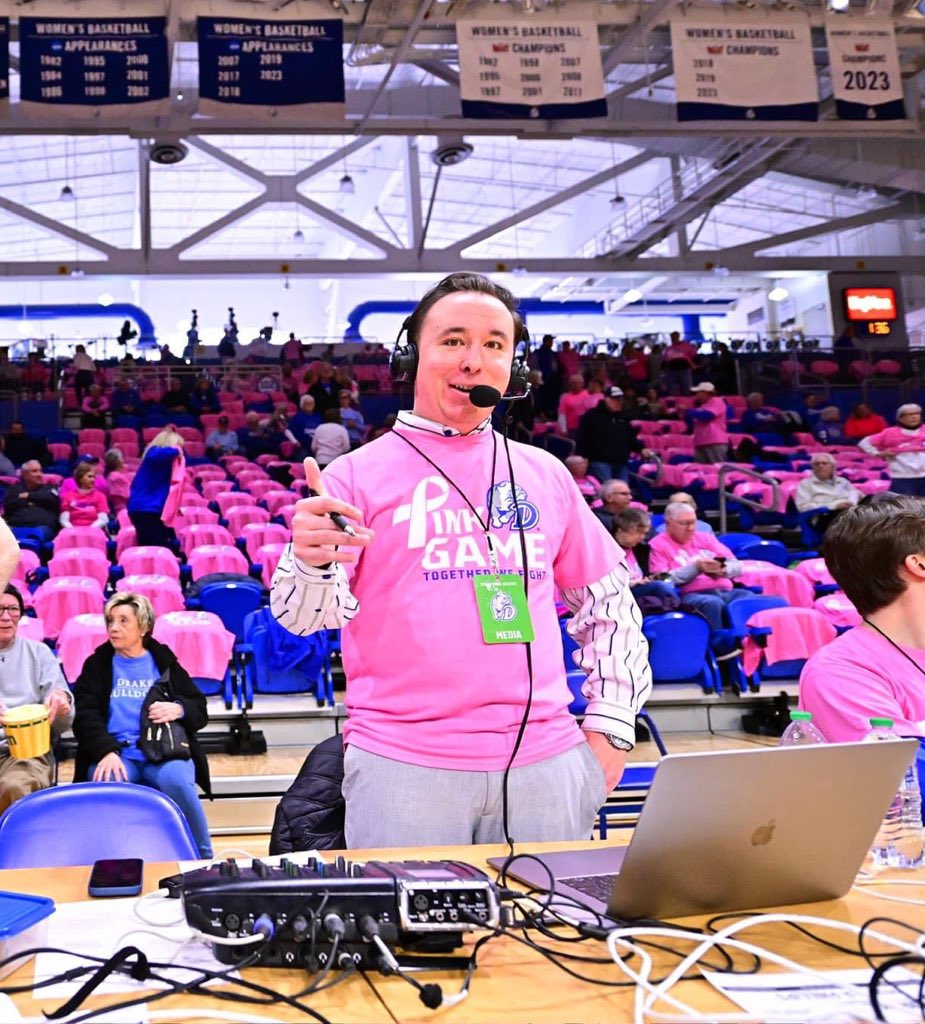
{"points": [[209, 421], [190, 433], [232, 499], [286, 513], [52, 479], [256, 536], [119, 435], [90, 562], [195, 536], [815, 570], [199, 640], [29, 561], [30, 627], [268, 556], [93, 435], [860, 369], [824, 367], [195, 449], [888, 368], [194, 514], [193, 499], [60, 452], [150, 561], [205, 473], [796, 589], [91, 448], [210, 488], [209, 558], [125, 539], [162, 591], [260, 488], [838, 610], [81, 537], [79, 638], [276, 501], [242, 515], [61, 597]]}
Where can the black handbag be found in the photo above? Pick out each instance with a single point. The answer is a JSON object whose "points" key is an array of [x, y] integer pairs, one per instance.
{"points": [[162, 741]]}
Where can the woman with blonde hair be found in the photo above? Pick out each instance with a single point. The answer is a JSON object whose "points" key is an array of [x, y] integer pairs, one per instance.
{"points": [[154, 497], [84, 505], [114, 705]]}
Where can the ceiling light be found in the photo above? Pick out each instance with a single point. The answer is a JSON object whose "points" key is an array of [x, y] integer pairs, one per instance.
{"points": [[298, 236], [105, 299], [721, 271], [77, 272], [839, 5], [518, 270], [67, 192], [778, 293], [631, 296], [346, 186], [867, 193], [617, 200]]}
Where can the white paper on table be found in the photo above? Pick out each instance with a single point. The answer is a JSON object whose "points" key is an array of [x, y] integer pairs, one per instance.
{"points": [[9, 1014], [101, 927], [298, 857], [804, 997]]}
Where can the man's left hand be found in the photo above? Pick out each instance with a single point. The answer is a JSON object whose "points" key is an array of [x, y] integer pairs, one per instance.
{"points": [[161, 711], [613, 761], [57, 704]]}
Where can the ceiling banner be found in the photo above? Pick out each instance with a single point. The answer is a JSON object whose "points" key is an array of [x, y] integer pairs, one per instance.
{"points": [[4, 59], [271, 66], [107, 66], [864, 65], [743, 68], [530, 69]]}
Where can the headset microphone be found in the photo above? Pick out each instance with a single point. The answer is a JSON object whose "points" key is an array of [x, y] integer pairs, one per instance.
{"points": [[484, 397]]}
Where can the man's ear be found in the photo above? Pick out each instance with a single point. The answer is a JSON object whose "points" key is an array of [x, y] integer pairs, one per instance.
{"points": [[915, 565]]}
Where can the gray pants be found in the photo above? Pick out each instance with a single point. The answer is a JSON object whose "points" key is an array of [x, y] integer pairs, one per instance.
{"points": [[390, 803]]}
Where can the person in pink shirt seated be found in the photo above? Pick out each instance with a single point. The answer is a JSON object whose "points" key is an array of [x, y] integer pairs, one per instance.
{"points": [[458, 728], [94, 408], [699, 565], [589, 486], [84, 505], [117, 479], [903, 447], [574, 403], [653, 592], [708, 422], [876, 553], [100, 482]]}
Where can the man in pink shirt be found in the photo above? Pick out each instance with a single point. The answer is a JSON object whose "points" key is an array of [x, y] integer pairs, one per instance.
{"points": [[699, 565], [458, 727], [876, 553], [708, 422], [574, 403]]}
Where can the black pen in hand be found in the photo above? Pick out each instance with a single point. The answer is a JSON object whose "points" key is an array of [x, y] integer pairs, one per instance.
{"points": [[336, 518]]}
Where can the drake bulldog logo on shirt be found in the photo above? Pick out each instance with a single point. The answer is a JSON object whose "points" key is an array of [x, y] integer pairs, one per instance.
{"points": [[453, 540]]}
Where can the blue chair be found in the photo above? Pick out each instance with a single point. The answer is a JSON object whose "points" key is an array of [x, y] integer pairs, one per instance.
{"points": [[679, 650], [231, 601], [273, 660], [624, 805], [734, 541], [90, 821], [766, 551], [739, 612]]}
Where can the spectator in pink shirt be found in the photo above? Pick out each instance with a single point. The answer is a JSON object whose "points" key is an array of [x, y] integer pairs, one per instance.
{"points": [[589, 486], [94, 408], [876, 553], [678, 361], [574, 403], [708, 422], [699, 565]]}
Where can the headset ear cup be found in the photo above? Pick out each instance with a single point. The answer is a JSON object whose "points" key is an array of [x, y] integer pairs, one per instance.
{"points": [[403, 363]]}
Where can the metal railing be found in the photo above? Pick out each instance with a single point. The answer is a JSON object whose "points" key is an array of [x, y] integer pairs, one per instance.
{"points": [[752, 474]]}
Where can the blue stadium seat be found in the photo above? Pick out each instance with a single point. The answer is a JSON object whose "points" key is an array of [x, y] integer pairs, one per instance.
{"points": [[679, 650], [232, 602], [273, 660], [766, 551], [90, 821]]}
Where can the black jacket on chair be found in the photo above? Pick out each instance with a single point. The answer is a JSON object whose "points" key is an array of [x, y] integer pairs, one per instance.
{"points": [[310, 815], [91, 708]]}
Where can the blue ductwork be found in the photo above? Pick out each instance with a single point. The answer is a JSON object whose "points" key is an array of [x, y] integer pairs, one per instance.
{"points": [[58, 311], [717, 307]]}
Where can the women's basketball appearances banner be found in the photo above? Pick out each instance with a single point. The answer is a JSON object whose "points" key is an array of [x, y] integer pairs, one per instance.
{"points": [[744, 68], [530, 69], [864, 66]]}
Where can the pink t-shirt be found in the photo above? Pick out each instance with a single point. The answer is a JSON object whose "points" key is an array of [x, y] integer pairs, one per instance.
{"points": [[666, 555], [424, 687], [897, 439], [588, 485], [636, 573], [573, 406], [712, 431], [859, 676], [84, 507]]}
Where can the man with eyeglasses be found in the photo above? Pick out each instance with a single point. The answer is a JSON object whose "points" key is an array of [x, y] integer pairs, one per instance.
{"points": [[29, 674]]}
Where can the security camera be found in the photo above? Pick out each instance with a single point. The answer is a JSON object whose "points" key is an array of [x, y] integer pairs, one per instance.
{"points": [[167, 152]]}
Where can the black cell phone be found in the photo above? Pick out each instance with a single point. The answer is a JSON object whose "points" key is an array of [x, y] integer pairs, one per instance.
{"points": [[119, 877], [721, 559], [661, 576]]}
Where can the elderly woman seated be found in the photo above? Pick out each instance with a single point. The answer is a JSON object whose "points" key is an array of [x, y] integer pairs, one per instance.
{"points": [[824, 494], [653, 593]]}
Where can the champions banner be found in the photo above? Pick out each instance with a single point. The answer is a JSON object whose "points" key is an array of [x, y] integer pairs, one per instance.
{"points": [[743, 68], [864, 65], [287, 66], [112, 65], [524, 69]]}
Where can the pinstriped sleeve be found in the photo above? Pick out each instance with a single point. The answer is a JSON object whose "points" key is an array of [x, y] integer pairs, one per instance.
{"points": [[306, 598], [607, 626]]}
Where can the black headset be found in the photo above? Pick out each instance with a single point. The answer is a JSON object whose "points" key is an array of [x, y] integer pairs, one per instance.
{"points": [[403, 363]]}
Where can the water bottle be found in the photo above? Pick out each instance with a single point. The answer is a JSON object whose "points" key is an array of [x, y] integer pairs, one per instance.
{"points": [[900, 841], [801, 731]]}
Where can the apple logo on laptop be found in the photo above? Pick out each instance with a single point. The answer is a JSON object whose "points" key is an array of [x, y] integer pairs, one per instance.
{"points": [[763, 834]]}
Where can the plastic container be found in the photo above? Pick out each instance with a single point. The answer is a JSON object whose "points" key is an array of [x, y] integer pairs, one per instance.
{"points": [[900, 841], [23, 925], [28, 730], [801, 731]]}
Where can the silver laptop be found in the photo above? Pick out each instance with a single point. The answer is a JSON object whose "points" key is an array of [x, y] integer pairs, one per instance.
{"points": [[737, 829]]}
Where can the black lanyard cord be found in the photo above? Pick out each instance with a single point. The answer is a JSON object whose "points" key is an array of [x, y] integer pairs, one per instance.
{"points": [[891, 641]]}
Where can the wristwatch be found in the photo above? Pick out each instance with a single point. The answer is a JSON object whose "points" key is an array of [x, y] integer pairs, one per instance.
{"points": [[617, 742]]}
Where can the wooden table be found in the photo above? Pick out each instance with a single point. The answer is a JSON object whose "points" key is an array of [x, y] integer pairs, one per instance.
{"points": [[513, 983]]}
